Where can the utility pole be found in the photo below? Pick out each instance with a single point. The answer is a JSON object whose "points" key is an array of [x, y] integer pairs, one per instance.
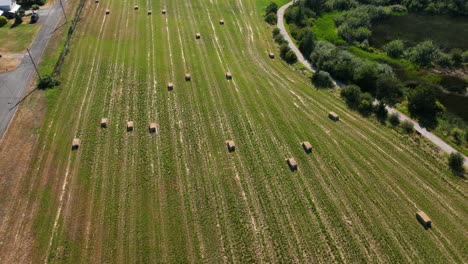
{"points": [[63, 9], [35, 66]]}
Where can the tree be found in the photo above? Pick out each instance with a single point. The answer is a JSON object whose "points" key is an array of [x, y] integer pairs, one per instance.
{"points": [[456, 161], [284, 48], [365, 75], [290, 57], [352, 95], [322, 79], [271, 18], [307, 43], [394, 119], [3, 21], [389, 89], [271, 8], [422, 101], [318, 6], [276, 31], [395, 48], [381, 112], [423, 54]]}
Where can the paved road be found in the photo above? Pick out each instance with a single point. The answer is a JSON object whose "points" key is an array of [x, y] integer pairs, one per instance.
{"points": [[433, 138], [13, 84]]}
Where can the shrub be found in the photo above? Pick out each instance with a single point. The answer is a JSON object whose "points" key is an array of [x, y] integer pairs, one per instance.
{"points": [[422, 54], [271, 8], [394, 119], [47, 82], [18, 19], [35, 7], [322, 79], [389, 89], [3, 21], [444, 60], [456, 57], [395, 49], [352, 95], [465, 56], [407, 126], [280, 39], [422, 101], [381, 112], [276, 31], [366, 105], [284, 48], [456, 161], [458, 135]]}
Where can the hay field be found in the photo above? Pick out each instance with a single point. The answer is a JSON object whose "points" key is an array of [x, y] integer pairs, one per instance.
{"points": [[178, 195]]}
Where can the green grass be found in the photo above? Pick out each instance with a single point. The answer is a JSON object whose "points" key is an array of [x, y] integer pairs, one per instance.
{"points": [[17, 39], [325, 29], [178, 196]]}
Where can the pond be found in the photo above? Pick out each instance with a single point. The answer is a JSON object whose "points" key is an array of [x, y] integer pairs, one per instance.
{"points": [[445, 31]]}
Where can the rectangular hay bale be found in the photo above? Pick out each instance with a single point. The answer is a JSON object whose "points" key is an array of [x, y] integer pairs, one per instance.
{"points": [[307, 146], [423, 219], [292, 164], [333, 116], [231, 145], [130, 125]]}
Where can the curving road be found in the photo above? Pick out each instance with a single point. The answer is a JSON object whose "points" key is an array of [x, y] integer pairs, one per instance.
{"points": [[430, 136]]}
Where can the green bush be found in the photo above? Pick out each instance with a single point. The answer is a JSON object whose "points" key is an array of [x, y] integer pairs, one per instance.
{"points": [[394, 119], [290, 57], [456, 161], [407, 126], [395, 49], [422, 54], [3, 21], [422, 101], [271, 18], [458, 135], [35, 7], [47, 82], [322, 79], [444, 60], [381, 112], [366, 105], [465, 56], [352, 95], [276, 31]]}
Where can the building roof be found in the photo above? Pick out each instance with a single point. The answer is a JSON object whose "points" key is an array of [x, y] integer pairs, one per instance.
{"points": [[5, 2]]}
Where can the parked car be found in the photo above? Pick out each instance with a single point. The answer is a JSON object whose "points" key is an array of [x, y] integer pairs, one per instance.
{"points": [[34, 17]]}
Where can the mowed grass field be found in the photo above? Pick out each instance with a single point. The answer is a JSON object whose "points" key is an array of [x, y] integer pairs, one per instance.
{"points": [[178, 196]]}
